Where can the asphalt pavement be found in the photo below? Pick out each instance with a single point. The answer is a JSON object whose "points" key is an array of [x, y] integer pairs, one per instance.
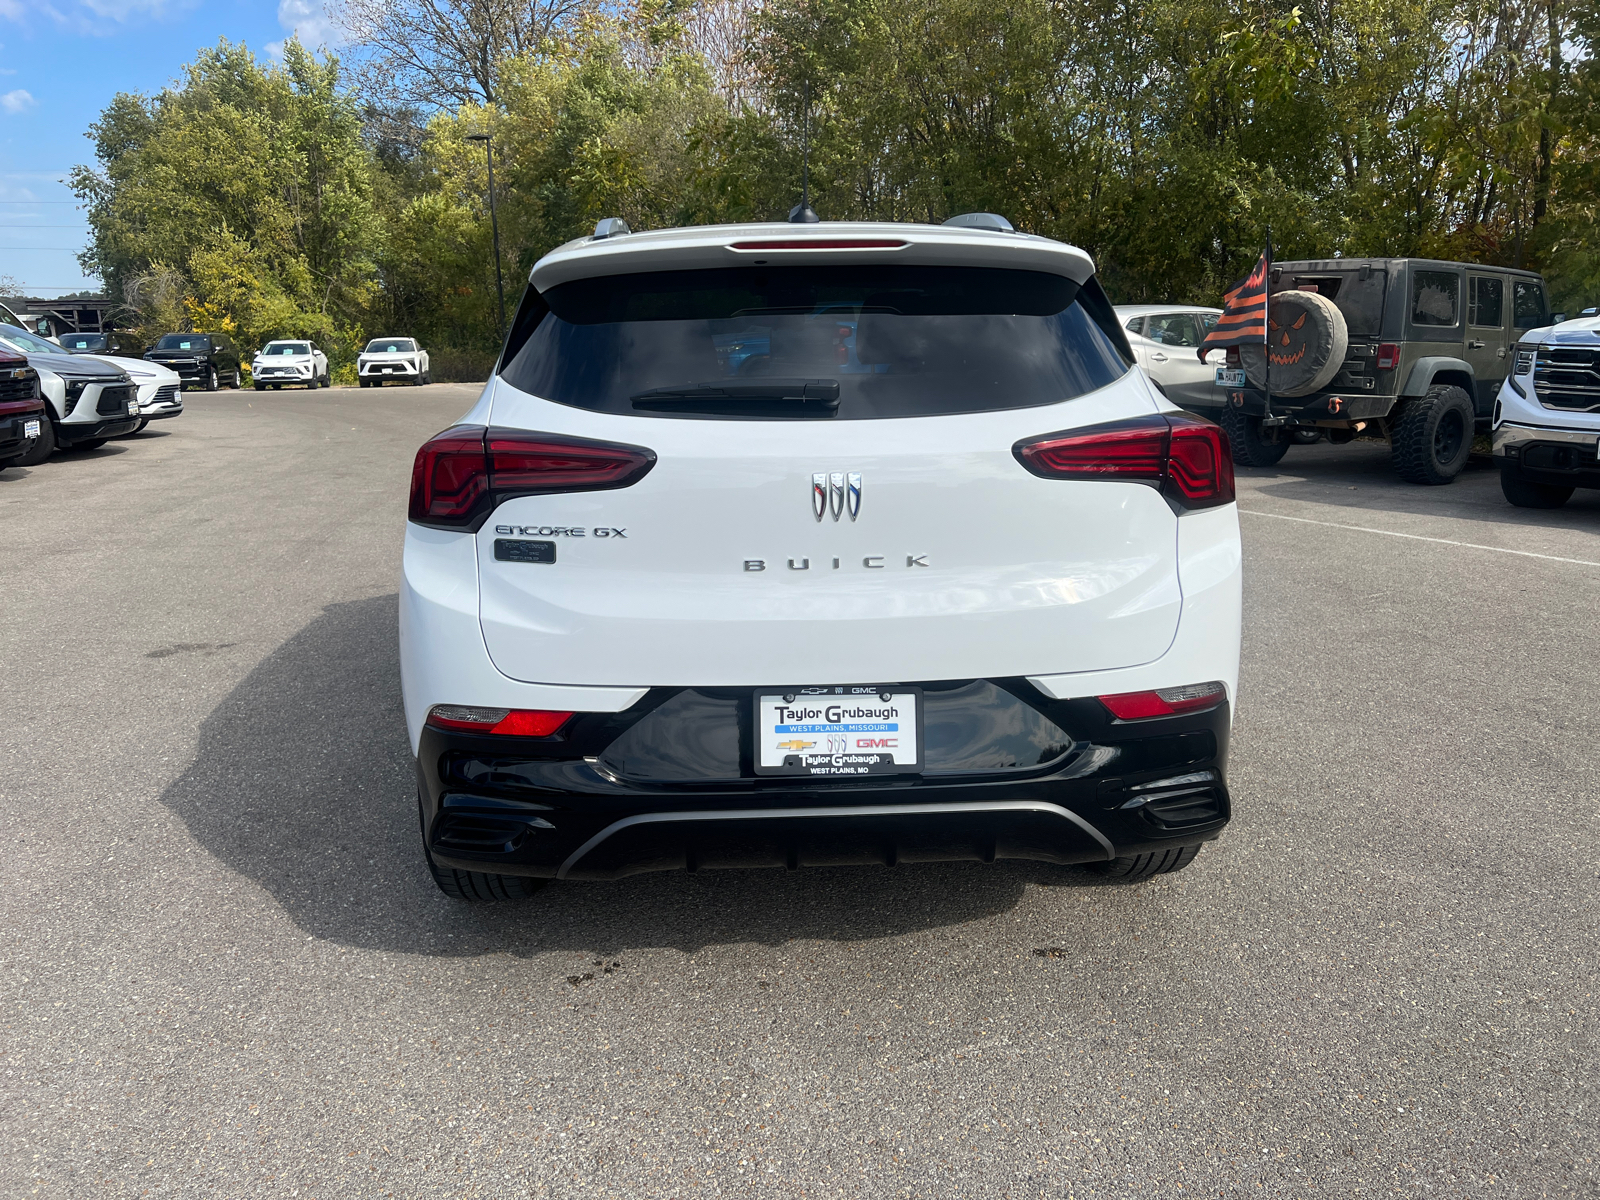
{"points": [[225, 972]]}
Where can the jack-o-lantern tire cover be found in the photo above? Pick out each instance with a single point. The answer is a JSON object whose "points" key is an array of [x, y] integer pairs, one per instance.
{"points": [[1306, 339]]}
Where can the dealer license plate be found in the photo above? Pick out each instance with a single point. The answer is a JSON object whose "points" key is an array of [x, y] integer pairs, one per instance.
{"points": [[1230, 376], [30, 429], [839, 732]]}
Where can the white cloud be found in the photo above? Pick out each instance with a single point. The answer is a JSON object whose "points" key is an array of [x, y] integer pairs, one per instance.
{"points": [[17, 101], [307, 20]]}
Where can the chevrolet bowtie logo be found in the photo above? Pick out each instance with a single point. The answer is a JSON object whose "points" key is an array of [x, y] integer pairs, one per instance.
{"points": [[795, 744], [834, 493]]}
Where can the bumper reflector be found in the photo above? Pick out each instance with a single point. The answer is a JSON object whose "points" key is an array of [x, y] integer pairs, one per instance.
{"points": [[507, 722], [1165, 702]]}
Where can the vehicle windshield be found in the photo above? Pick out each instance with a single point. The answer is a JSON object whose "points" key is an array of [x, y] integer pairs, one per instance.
{"points": [[28, 343], [184, 341], [289, 348], [846, 341], [83, 341], [391, 346]]}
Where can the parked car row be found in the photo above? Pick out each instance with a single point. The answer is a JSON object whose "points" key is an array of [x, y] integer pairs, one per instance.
{"points": [[89, 399], [212, 360]]}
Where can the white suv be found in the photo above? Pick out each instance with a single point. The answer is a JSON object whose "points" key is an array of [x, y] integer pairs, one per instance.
{"points": [[772, 545], [1547, 416]]}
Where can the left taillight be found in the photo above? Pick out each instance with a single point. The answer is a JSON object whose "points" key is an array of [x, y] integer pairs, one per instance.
{"points": [[462, 475], [1187, 457]]}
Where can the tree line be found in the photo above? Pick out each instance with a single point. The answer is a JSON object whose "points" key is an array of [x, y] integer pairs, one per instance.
{"points": [[338, 197]]}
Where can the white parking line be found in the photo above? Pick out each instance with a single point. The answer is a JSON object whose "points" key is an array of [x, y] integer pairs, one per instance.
{"points": [[1417, 537]]}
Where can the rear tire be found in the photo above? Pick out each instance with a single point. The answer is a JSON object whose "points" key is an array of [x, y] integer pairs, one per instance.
{"points": [[1135, 868], [43, 446], [1524, 493], [1250, 449], [479, 887], [1432, 438]]}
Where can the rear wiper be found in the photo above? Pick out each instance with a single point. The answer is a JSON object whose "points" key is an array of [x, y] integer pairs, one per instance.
{"points": [[764, 396]]}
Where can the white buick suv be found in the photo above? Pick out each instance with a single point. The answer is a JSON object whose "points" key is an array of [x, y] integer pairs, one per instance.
{"points": [[783, 545]]}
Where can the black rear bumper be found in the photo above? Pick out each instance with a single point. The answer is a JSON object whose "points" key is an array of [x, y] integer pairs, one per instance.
{"points": [[1322, 406], [611, 796]]}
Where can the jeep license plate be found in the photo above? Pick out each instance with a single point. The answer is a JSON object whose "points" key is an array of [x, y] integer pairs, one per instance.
{"points": [[838, 732], [1230, 376], [30, 429]]}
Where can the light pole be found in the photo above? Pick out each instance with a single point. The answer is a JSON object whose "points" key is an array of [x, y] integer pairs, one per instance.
{"points": [[494, 223]]}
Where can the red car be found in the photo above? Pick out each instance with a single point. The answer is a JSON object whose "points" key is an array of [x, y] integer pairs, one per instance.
{"points": [[21, 410]]}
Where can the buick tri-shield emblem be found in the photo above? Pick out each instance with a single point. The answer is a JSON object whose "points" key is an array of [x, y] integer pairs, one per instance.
{"points": [[835, 492]]}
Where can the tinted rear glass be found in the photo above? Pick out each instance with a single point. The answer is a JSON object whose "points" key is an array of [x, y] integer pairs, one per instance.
{"points": [[889, 341], [1360, 300]]}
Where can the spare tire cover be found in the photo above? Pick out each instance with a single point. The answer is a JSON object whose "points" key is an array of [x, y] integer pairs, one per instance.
{"points": [[1306, 340]]}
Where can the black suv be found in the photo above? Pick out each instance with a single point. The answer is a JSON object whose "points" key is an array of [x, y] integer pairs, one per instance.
{"points": [[1405, 349], [113, 341], [200, 359]]}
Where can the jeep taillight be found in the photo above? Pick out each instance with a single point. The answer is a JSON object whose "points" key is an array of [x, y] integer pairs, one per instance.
{"points": [[1186, 457], [462, 475], [1388, 356]]}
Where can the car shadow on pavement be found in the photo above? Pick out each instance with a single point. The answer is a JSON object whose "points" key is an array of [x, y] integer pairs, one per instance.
{"points": [[1358, 477], [303, 782]]}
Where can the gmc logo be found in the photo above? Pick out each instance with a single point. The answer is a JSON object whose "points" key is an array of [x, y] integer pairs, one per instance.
{"points": [[877, 743]]}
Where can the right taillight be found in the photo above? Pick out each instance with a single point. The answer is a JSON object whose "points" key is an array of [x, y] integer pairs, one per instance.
{"points": [[1187, 457], [462, 475], [1165, 702], [1388, 356]]}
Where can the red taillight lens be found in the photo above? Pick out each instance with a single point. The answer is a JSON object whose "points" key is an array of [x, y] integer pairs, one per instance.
{"points": [[1187, 457], [1134, 450], [823, 244], [450, 478], [1388, 356], [463, 474], [505, 722], [1200, 462], [531, 463], [1165, 702], [1231, 355]]}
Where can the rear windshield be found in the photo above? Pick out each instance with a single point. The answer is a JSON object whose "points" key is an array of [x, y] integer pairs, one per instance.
{"points": [[1360, 300], [846, 341]]}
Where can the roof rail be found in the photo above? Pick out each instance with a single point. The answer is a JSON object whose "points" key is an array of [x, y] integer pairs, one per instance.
{"points": [[611, 227], [982, 220]]}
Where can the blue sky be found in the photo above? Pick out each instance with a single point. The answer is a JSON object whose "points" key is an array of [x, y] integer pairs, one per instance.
{"points": [[61, 61]]}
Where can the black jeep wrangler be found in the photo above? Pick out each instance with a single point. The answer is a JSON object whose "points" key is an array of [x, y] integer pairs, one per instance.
{"points": [[1409, 350]]}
